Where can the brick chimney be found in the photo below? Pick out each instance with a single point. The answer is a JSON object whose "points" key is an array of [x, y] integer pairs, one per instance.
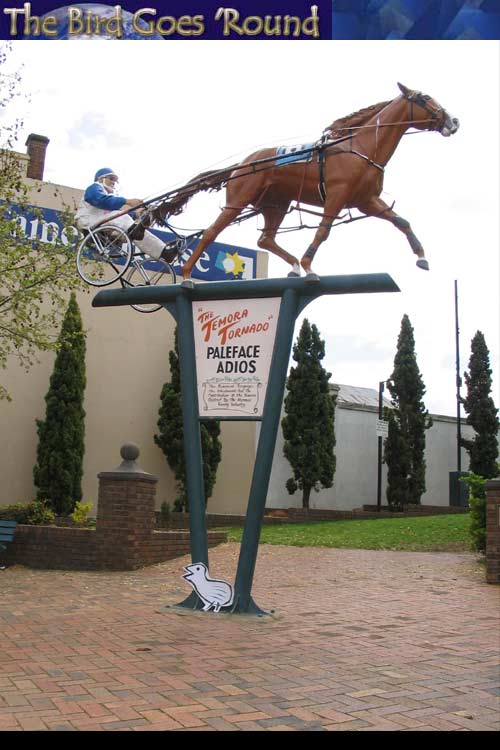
{"points": [[37, 146]]}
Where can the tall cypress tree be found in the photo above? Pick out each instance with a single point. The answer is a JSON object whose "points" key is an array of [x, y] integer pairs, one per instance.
{"points": [[170, 436], [59, 467], [482, 414], [308, 427], [408, 420]]}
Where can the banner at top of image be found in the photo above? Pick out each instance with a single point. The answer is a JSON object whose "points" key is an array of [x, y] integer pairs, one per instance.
{"points": [[191, 20]]}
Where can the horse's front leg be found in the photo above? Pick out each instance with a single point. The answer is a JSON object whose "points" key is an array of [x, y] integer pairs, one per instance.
{"points": [[378, 208], [331, 210], [208, 236]]}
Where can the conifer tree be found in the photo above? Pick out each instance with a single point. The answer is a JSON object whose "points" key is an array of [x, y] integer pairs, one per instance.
{"points": [[59, 467], [308, 427], [408, 420], [170, 436], [482, 414]]}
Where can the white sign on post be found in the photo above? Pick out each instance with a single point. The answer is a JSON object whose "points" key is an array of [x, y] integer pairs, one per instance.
{"points": [[234, 342], [382, 428]]}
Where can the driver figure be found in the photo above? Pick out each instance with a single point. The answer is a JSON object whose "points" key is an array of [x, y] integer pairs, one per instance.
{"points": [[101, 201]]}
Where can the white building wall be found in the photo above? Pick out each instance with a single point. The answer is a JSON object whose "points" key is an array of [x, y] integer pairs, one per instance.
{"points": [[126, 367], [355, 482]]}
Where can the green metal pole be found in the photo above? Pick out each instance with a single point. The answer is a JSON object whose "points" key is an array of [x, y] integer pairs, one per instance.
{"points": [[296, 294], [192, 439], [265, 453]]}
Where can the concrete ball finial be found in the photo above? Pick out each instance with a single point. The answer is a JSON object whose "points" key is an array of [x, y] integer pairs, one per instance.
{"points": [[129, 468], [129, 451]]}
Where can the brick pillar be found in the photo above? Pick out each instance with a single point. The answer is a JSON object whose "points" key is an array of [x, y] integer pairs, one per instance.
{"points": [[37, 146], [125, 513], [493, 531]]}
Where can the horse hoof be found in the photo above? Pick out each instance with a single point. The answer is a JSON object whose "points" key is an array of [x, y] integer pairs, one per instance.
{"points": [[312, 278], [422, 263], [187, 284]]}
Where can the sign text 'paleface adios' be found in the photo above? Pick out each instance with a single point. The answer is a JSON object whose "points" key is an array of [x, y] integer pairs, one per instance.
{"points": [[234, 341]]}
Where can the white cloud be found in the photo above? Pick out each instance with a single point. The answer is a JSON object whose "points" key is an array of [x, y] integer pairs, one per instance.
{"points": [[161, 112], [93, 126]]}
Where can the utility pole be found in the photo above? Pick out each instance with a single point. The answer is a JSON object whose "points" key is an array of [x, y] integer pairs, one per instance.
{"points": [[381, 387], [459, 383]]}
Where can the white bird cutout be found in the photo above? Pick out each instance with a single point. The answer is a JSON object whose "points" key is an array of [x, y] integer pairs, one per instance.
{"points": [[212, 592]]}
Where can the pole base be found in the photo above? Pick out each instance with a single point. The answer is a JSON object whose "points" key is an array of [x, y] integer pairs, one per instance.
{"points": [[250, 609], [194, 604]]}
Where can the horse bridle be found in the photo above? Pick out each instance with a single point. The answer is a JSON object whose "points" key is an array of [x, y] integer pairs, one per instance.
{"points": [[437, 116]]}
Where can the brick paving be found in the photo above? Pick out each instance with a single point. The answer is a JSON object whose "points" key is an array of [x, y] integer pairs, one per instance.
{"points": [[359, 641]]}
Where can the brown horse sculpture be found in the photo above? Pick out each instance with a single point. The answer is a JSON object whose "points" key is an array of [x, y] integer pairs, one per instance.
{"points": [[344, 170]]}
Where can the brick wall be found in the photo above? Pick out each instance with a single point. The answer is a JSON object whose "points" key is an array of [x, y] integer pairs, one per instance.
{"points": [[493, 531], [66, 548], [419, 510], [125, 518], [165, 545], [53, 547], [124, 537]]}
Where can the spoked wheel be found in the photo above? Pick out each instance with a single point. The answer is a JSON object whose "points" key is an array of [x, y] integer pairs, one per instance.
{"points": [[104, 255], [148, 272]]}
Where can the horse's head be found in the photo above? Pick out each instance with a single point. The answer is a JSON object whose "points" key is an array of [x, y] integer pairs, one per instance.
{"points": [[435, 118]]}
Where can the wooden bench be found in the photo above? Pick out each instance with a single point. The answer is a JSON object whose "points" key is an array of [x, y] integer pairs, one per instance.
{"points": [[7, 531]]}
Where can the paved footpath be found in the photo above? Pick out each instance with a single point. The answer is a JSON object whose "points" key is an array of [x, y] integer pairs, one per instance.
{"points": [[361, 640]]}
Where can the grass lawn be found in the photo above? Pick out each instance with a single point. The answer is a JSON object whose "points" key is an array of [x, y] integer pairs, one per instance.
{"points": [[446, 533]]}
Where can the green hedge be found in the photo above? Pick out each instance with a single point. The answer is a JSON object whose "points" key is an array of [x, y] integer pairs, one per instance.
{"points": [[34, 513]]}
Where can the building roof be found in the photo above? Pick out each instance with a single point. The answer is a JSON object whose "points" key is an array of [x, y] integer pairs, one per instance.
{"points": [[353, 394]]}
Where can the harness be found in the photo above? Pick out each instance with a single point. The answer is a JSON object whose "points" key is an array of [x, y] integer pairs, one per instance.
{"points": [[208, 181], [321, 148], [416, 98]]}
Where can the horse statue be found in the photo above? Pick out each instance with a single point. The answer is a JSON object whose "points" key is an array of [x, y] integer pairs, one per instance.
{"points": [[343, 170]]}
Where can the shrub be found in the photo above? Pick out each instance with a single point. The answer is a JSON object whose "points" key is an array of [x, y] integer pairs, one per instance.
{"points": [[164, 513], [16, 512], [477, 504], [180, 504], [40, 513], [81, 512], [478, 522], [35, 513]]}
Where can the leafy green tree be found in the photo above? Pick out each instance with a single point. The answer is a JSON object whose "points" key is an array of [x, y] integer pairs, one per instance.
{"points": [[59, 467], [170, 436], [34, 276], [408, 420], [308, 427], [481, 411]]}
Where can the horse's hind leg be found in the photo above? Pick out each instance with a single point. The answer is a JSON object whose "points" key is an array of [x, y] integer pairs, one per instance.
{"points": [[210, 235], [376, 207], [273, 216]]}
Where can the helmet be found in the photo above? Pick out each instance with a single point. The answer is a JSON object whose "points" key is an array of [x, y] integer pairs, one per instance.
{"points": [[104, 172]]}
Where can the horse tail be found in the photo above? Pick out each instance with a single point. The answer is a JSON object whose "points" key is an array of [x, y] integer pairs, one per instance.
{"points": [[212, 180]]}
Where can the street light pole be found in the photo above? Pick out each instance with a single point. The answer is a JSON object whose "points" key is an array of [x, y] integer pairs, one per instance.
{"points": [[381, 387], [459, 382]]}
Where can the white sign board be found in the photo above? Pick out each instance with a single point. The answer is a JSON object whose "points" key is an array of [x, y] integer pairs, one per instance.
{"points": [[382, 428], [234, 342]]}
